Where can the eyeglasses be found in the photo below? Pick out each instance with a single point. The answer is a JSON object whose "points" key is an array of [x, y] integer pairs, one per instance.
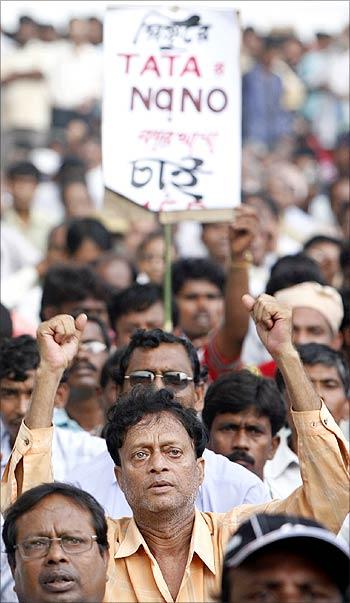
{"points": [[93, 347], [38, 546], [176, 380]]}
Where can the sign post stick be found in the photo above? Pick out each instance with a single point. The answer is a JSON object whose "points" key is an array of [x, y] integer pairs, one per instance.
{"points": [[168, 322]]}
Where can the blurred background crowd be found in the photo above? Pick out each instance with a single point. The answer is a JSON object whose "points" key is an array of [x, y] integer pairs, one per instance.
{"points": [[67, 246], [295, 163]]}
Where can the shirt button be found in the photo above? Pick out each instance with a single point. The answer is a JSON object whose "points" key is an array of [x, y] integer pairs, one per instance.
{"points": [[313, 424], [325, 421], [26, 441]]}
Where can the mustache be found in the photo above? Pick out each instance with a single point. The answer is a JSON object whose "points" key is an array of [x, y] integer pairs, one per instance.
{"points": [[85, 365], [51, 575], [240, 455]]}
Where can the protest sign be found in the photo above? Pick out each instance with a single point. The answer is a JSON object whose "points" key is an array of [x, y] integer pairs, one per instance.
{"points": [[171, 127]]}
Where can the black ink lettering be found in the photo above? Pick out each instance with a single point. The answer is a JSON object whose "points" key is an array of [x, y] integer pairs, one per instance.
{"points": [[196, 102], [146, 101], [182, 176], [223, 96]]}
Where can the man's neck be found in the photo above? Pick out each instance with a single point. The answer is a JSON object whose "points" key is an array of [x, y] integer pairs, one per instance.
{"points": [[199, 341], [166, 532], [88, 413], [24, 214], [169, 536]]}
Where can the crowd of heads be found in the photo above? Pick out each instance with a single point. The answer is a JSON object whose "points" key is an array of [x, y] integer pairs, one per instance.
{"points": [[85, 257]]}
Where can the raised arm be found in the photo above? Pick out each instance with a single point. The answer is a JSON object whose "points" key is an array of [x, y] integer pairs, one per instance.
{"points": [[30, 461], [229, 339], [274, 326], [322, 449], [58, 340]]}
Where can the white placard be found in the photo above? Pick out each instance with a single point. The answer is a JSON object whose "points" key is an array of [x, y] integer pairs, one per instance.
{"points": [[171, 127]]}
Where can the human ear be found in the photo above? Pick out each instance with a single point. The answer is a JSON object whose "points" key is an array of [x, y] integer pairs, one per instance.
{"points": [[337, 341], [199, 395], [346, 410], [200, 470], [274, 445], [105, 556], [119, 476], [62, 395]]}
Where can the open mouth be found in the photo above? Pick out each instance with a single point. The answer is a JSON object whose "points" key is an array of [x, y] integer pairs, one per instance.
{"points": [[58, 583], [202, 318]]}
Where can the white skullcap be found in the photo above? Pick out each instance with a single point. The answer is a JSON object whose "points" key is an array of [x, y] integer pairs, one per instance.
{"points": [[324, 299]]}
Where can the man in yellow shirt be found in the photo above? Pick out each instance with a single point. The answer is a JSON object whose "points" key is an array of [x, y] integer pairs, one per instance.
{"points": [[169, 551]]}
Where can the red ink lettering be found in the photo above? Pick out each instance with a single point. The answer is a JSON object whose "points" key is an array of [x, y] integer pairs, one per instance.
{"points": [[127, 57], [151, 65], [191, 67]]}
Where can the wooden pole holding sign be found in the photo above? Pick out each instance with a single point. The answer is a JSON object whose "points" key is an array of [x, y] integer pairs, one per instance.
{"points": [[168, 295]]}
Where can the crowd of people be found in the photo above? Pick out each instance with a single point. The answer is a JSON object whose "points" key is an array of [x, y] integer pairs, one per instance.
{"points": [[204, 460]]}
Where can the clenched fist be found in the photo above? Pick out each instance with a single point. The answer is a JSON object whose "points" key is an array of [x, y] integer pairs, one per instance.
{"points": [[242, 231], [58, 340], [273, 323]]}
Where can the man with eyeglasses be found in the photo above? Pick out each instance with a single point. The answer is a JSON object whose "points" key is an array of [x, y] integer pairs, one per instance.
{"points": [[158, 359], [84, 407], [157, 447], [19, 362], [56, 543]]}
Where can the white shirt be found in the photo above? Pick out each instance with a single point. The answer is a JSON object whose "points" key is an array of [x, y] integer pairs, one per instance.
{"points": [[68, 449], [47, 199], [77, 75], [300, 225], [29, 304], [7, 594], [35, 230], [26, 102], [225, 485], [282, 476], [95, 185], [16, 251], [282, 473], [253, 350]]}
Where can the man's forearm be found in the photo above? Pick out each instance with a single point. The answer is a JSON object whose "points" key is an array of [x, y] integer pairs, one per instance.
{"points": [[299, 388], [237, 319], [232, 333], [41, 407]]}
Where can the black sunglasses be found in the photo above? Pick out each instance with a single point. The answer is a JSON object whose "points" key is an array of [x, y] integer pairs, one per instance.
{"points": [[175, 379]]}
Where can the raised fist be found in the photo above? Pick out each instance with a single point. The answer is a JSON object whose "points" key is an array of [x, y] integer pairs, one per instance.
{"points": [[58, 340]]}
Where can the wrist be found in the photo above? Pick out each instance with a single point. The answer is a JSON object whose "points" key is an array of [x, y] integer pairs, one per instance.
{"points": [[285, 356], [47, 370], [241, 260]]}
